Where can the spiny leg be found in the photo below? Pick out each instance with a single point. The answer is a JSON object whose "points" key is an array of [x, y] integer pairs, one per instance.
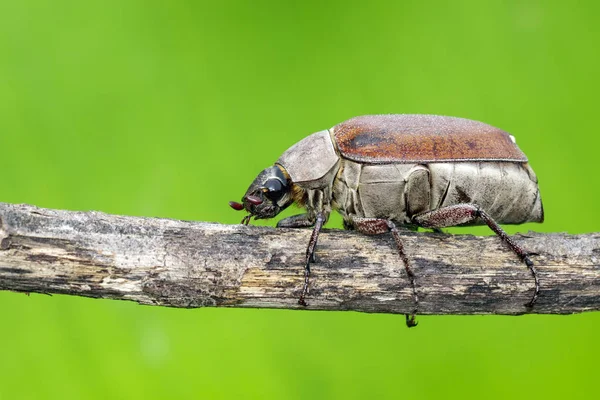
{"points": [[374, 226], [463, 213], [310, 256], [517, 249], [410, 319]]}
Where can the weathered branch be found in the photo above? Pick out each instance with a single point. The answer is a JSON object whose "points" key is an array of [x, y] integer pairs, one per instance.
{"points": [[194, 264]]}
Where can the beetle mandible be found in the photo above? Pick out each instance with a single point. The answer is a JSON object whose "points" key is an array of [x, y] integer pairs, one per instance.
{"points": [[411, 170]]}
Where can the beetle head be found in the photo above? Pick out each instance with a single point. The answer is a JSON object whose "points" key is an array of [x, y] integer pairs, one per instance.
{"points": [[267, 196]]}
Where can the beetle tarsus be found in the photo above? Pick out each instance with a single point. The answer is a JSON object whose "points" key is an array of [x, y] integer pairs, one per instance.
{"points": [[410, 318], [464, 213], [536, 292], [304, 293], [376, 226], [518, 250], [310, 256]]}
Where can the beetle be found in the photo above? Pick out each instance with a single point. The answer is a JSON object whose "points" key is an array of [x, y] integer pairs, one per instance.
{"points": [[384, 171]]}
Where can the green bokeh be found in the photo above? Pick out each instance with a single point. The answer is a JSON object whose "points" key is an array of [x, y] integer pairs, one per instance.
{"points": [[170, 109]]}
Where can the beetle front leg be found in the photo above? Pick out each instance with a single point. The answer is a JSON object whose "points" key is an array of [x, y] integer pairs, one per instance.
{"points": [[375, 226], [296, 221], [464, 213]]}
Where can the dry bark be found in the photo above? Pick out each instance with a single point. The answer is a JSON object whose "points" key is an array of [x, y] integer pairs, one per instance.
{"points": [[195, 264]]}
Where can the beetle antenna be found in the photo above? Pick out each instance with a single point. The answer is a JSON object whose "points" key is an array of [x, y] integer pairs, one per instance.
{"points": [[236, 206]]}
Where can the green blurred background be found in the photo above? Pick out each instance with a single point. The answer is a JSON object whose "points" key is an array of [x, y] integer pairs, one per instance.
{"points": [[169, 109]]}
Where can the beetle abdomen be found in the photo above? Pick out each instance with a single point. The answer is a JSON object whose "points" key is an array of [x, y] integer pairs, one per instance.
{"points": [[414, 138], [508, 192], [388, 191]]}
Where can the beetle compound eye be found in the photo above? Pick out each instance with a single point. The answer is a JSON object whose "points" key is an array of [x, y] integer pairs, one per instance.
{"points": [[274, 189]]}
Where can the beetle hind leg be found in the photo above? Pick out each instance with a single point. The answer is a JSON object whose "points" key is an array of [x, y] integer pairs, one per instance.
{"points": [[374, 226], [464, 213]]}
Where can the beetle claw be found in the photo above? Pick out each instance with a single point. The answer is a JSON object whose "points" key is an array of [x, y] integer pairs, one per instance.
{"points": [[410, 320]]}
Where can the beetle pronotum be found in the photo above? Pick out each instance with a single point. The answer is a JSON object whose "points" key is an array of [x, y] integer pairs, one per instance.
{"points": [[384, 171]]}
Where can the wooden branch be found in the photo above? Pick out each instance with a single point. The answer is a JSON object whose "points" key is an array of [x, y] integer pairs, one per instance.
{"points": [[196, 264]]}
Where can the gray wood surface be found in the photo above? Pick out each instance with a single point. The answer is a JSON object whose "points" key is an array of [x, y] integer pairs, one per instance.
{"points": [[195, 264]]}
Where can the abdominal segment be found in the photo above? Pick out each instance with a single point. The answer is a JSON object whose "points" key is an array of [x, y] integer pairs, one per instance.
{"points": [[507, 191]]}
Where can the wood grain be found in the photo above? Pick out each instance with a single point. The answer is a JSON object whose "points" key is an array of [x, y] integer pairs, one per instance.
{"points": [[196, 264]]}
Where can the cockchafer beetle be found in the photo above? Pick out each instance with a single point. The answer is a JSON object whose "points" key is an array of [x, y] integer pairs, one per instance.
{"points": [[384, 171]]}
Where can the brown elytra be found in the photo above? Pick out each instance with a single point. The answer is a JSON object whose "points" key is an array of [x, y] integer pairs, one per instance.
{"points": [[408, 138]]}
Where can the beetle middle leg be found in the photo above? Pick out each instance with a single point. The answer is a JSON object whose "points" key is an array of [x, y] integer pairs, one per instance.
{"points": [[375, 226], [464, 213], [298, 221]]}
